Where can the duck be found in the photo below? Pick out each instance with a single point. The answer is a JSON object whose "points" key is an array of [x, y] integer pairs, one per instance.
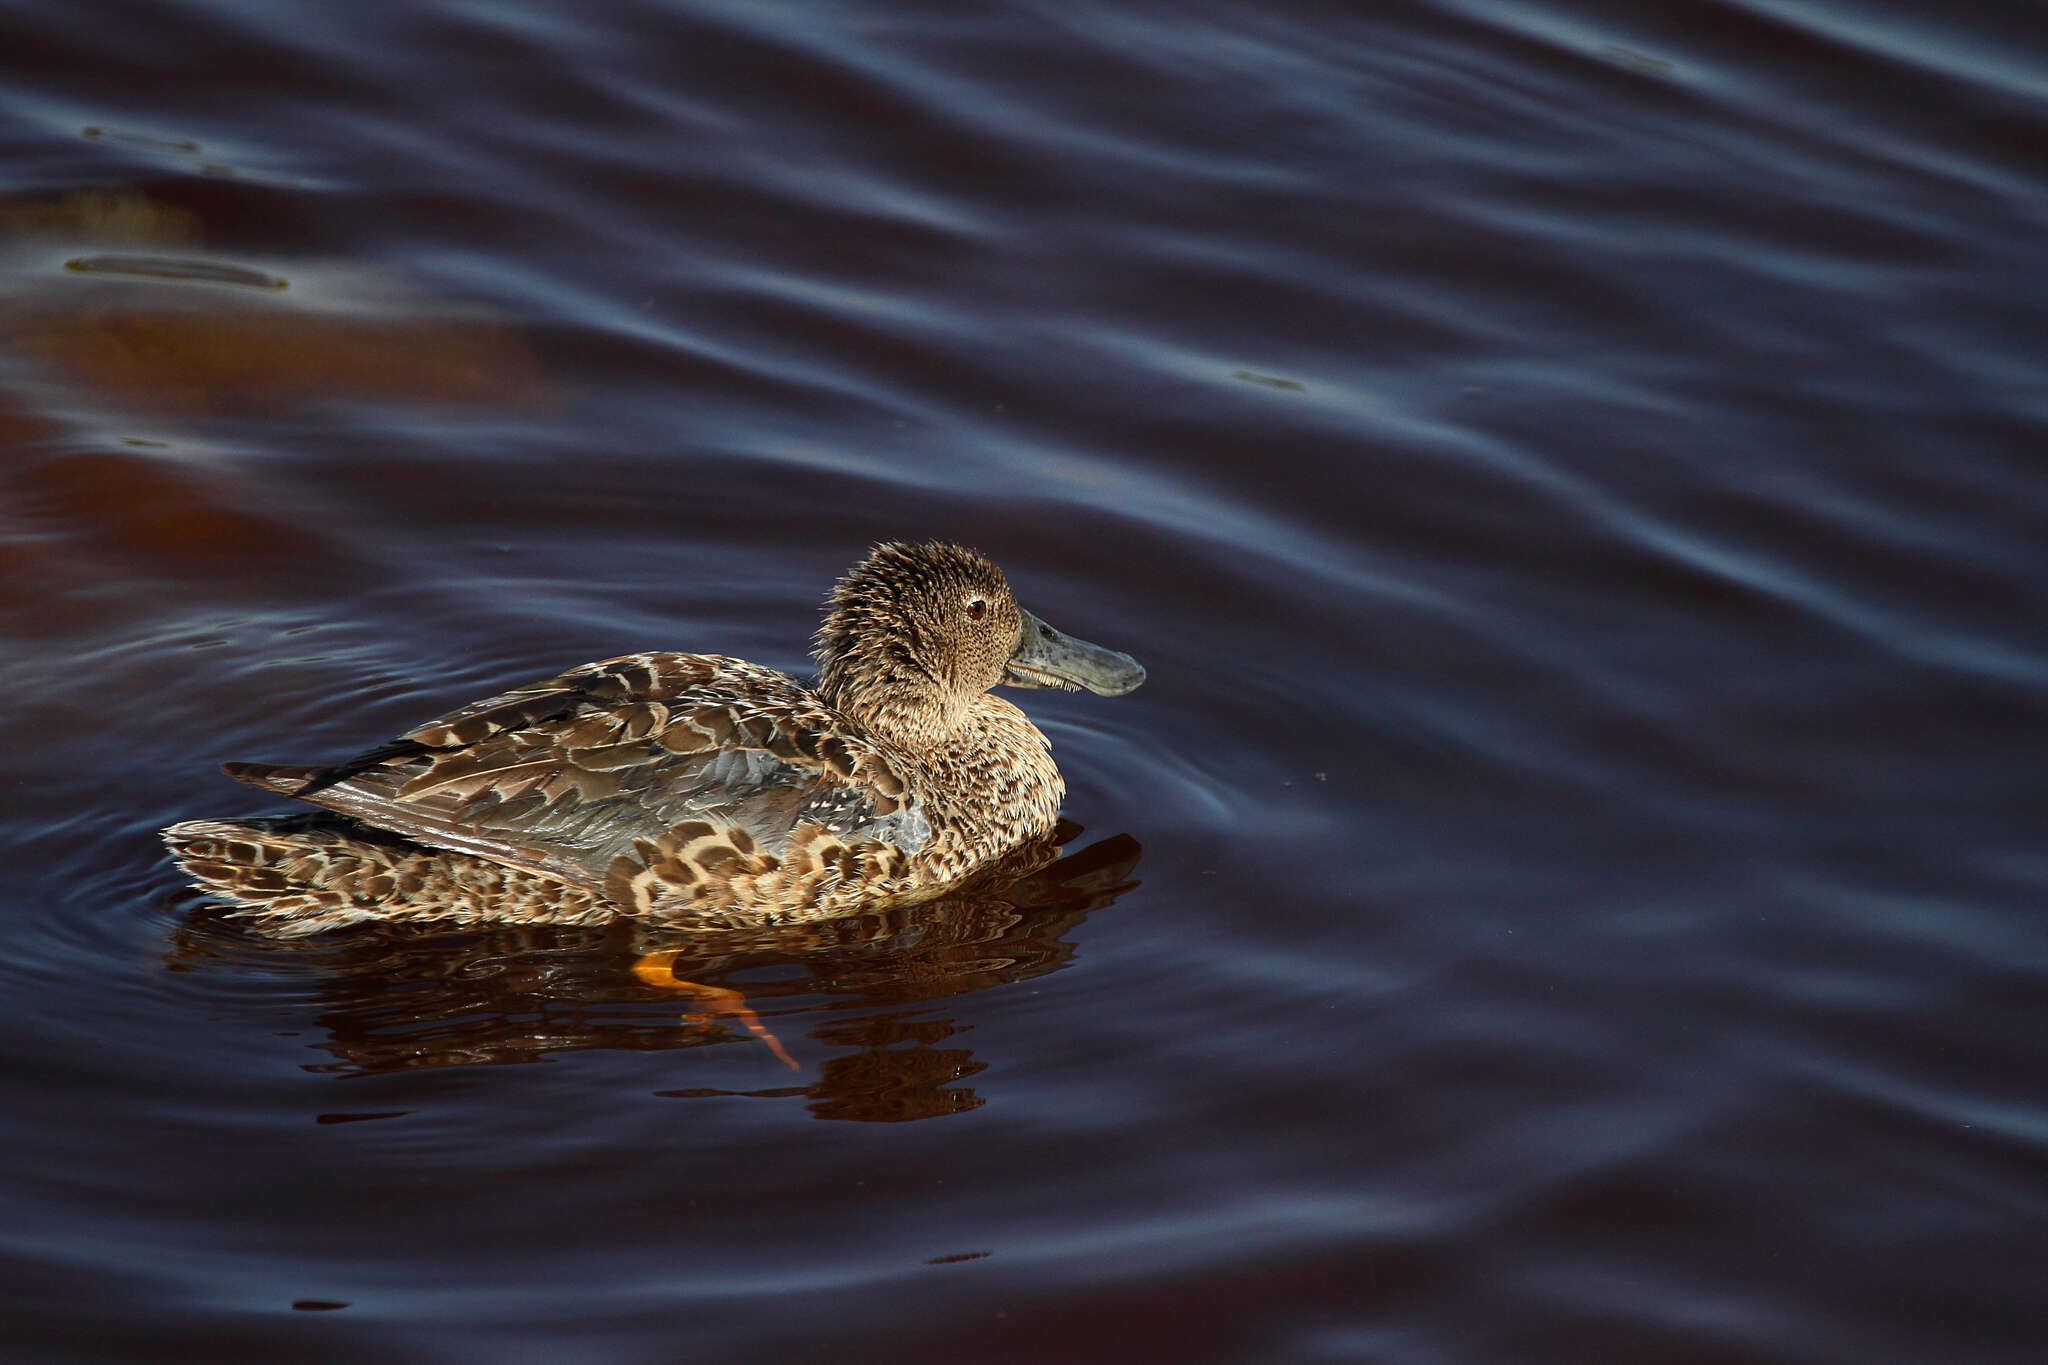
{"points": [[692, 790]]}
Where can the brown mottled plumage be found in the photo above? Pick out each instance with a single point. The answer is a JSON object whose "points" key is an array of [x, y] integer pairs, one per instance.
{"points": [[694, 789]]}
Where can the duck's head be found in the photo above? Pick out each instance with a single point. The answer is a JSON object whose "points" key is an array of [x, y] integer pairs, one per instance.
{"points": [[914, 633]]}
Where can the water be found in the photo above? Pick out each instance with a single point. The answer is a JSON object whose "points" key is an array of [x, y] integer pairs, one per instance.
{"points": [[1571, 889]]}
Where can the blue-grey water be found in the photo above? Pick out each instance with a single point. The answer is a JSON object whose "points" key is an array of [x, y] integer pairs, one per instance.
{"points": [[1573, 890]]}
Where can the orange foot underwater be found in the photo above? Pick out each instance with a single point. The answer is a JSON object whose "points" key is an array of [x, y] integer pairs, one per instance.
{"points": [[658, 969]]}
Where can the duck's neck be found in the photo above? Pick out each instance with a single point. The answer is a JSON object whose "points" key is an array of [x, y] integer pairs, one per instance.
{"points": [[993, 784], [892, 699]]}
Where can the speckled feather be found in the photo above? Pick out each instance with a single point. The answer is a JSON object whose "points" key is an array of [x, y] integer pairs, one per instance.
{"points": [[687, 788]]}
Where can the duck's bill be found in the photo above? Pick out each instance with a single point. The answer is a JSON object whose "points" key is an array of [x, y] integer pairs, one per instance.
{"points": [[1046, 658]]}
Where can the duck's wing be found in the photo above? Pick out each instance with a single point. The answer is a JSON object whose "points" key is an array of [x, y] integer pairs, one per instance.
{"points": [[706, 765]]}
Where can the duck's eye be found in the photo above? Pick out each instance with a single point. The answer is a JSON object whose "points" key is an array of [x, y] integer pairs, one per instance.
{"points": [[976, 609]]}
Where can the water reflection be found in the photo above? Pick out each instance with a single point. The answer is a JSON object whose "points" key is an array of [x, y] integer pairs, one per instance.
{"points": [[198, 333], [403, 997]]}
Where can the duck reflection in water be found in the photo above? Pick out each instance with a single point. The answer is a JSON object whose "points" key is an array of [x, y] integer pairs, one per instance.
{"points": [[692, 792], [421, 994]]}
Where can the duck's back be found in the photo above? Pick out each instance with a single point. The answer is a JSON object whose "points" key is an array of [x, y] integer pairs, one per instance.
{"points": [[677, 785]]}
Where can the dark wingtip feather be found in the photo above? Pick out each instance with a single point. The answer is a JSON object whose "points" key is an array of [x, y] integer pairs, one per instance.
{"points": [[263, 776], [304, 782]]}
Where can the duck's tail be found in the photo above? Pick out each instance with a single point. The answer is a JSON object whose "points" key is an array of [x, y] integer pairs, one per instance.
{"points": [[308, 874]]}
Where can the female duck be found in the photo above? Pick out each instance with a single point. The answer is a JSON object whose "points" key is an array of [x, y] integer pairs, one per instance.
{"points": [[695, 788]]}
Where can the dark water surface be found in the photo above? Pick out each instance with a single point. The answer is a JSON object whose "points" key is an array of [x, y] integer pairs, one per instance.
{"points": [[1573, 889]]}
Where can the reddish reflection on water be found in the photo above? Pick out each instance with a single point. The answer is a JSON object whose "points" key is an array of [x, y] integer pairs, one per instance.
{"points": [[197, 336]]}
